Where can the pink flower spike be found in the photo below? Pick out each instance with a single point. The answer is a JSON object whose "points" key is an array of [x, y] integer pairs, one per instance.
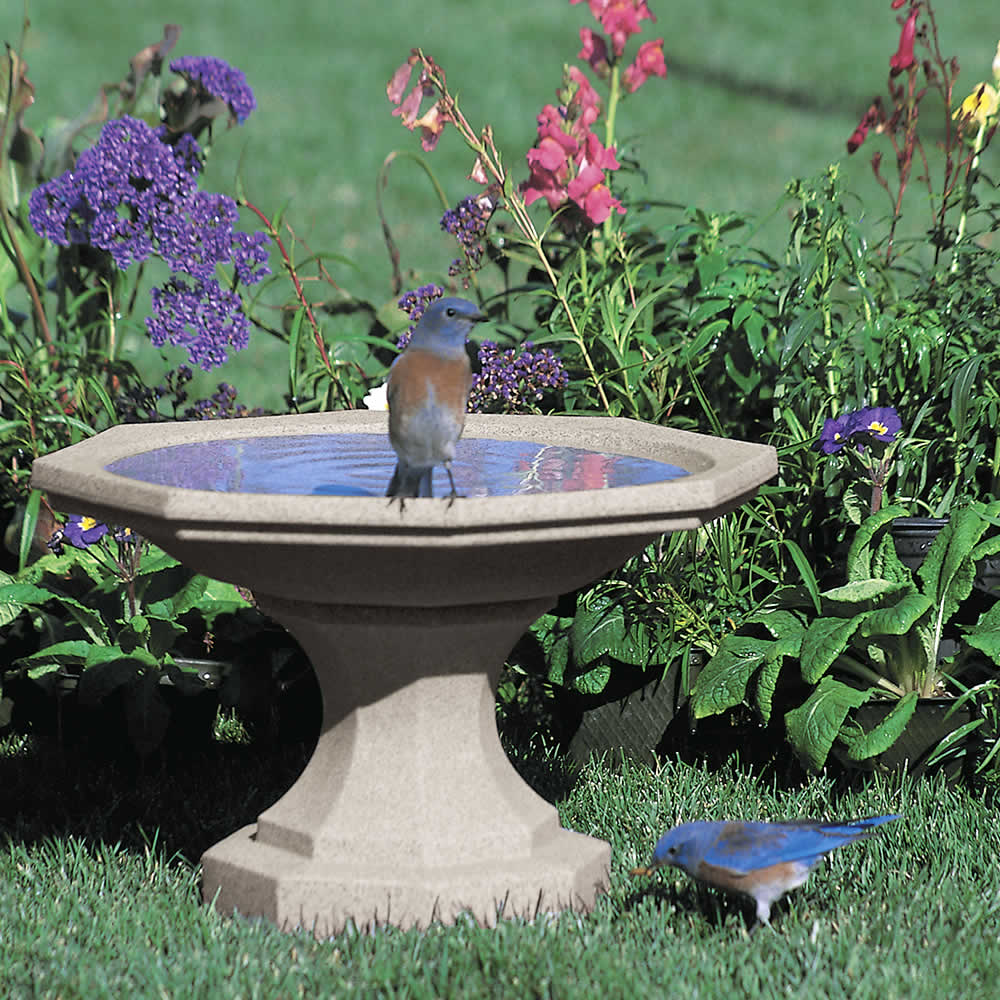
{"points": [[595, 52], [410, 107], [478, 173], [543, 184], [594, 153], [585, 105], [648, 62], [903, 59], [432, 125], [592, 194], [620, 19], [395, 87]]}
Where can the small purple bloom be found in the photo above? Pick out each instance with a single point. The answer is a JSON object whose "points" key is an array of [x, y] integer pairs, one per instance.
{"points": [[834, 435], [467, 222], [515, 379], [200, 316], [881, 422], [82, 531], [218, 78], [414, 303]]}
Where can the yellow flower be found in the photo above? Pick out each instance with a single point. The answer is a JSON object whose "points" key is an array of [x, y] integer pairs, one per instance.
{"points": [[981, 105]]}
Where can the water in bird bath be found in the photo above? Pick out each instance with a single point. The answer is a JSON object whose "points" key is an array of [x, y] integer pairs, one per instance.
{"points": [[361, 464]]}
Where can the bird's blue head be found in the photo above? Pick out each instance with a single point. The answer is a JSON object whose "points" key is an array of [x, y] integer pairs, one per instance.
{"points": [[445, 326], [686, 845]]}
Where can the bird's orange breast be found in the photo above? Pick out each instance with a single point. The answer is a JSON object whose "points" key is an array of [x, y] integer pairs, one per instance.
{"points": [[427, 400]]}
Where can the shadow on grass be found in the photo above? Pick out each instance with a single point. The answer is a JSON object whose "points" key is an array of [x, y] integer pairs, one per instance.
{"points": [[189, 799], [716, 909]]}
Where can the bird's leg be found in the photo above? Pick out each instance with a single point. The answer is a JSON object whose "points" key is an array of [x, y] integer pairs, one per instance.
{"points": [[451, 479]]}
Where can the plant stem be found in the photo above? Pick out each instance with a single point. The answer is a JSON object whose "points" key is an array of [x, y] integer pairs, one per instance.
{"points": [[977, 148], [301, 295], [490, 160]]}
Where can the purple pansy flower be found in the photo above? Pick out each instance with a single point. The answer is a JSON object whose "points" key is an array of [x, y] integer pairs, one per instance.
{"points": [[82, 531], [879, 422]]}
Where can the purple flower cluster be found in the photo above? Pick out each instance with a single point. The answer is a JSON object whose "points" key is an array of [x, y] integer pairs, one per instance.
{"points": [[879, 423], [139, 403], [215, 77], [413, 304], [126, 195], [467, 222], [221, 405], [513, 380], [201, 316], [134, 196]]}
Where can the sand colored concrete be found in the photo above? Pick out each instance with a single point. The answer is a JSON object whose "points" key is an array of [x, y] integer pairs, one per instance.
{"points": [[409, 810]]}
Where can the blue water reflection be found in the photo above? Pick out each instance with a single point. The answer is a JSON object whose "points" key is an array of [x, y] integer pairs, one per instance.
{"points": [[361, 464]]}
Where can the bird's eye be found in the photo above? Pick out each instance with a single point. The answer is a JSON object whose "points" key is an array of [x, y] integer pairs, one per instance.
{"points": [[671, 850], [449, 313]]}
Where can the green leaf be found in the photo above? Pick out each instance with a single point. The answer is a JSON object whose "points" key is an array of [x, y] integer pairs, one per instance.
{"points": [[814, 726], [826, 639], [553, 634], [948, 572], [73, 652], [600, 629], [22, 595], [723, 681], [135, 633], [985, 634], [767, 679], [898, 618], [861, 744], [147, 715], [593, 681], [870, 534], [100, 679], [163, 634]]}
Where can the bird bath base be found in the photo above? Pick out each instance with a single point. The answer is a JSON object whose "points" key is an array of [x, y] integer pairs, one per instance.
{"points": [[409, 810]]}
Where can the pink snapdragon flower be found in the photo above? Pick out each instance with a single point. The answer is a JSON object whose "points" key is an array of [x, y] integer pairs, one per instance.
{"points": [[904, 58], [619, 19], [648, 62]]}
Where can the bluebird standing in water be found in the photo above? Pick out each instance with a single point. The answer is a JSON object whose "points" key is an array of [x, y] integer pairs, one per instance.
{"points": [[428, 392], [759, 860]]}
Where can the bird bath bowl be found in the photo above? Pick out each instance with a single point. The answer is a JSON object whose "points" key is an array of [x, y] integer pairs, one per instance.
{"points": [[409, 810]]}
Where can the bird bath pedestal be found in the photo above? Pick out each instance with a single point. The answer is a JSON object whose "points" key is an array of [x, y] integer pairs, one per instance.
{"points": [[409, 810]]}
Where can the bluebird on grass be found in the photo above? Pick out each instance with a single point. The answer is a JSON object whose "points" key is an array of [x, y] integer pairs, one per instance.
{"points": [[759, 860], [428, 391]]}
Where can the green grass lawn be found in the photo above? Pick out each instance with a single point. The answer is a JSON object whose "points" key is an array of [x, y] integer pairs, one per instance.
{"points": [[99, 885], [755, 95], [99, 894]]}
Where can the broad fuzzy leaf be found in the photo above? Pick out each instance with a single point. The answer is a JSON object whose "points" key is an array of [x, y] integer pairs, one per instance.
{"points": [[824, 641], [985, 634], [868, 538], [600, 629], [899, 618], [723, 681], [72, 652], [861, 744], [814, 726], [948, 571]]}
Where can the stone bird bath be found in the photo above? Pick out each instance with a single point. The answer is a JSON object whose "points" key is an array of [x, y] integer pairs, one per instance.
{"points": [[409, 810]]}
